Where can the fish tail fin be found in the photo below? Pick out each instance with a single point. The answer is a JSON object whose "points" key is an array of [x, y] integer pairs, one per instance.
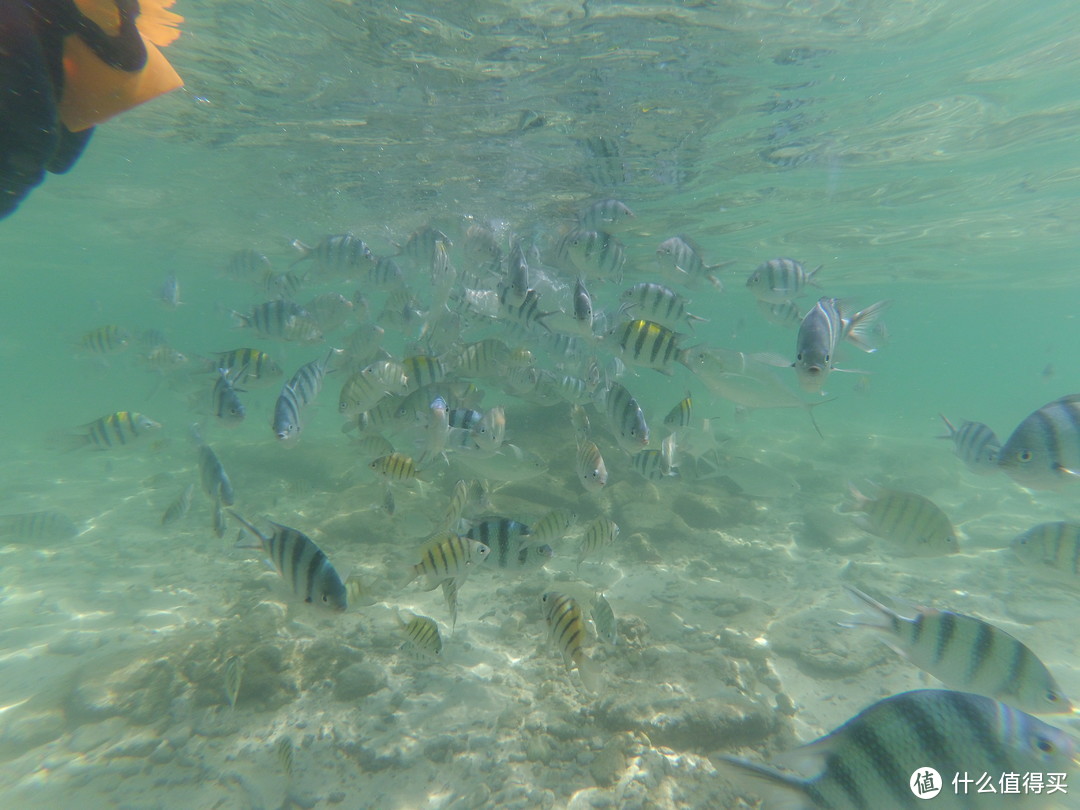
{"points": [[68, 442], [859, 330], [952, 431], [782, 791], [243, 541], [305, 251], [875, 614], [587, 671], [858, 500]]}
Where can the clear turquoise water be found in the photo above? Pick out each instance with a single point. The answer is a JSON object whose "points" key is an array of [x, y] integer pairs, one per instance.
{"points": [[921, 151]]}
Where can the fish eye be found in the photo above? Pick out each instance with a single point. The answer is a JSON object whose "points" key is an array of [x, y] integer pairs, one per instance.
{"points": [[1025, 455], [1053, 697], [1045, 745], [799, 356], [325, 598], [826, 358]]}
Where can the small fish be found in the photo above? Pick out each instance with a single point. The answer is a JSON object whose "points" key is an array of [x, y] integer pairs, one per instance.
{"points": [[780, 280], [49, 525], [386, 274], [396, 467], [338, 255], [178, 509], [281, 320], [650, 345], [225, 401], [786, 313], [659, 304], [249, 368], [169, 292], [682, 414], [625, 417], [553, 526], [300, 391], [234, 674], [421, 245], [300, 562], [104, 340], [359, 393], [579, 421], [484, 358], [389, 505], [285, 754], [681, 254], [1055, 544], [599, 534], [450, 595], [583, 309], [975, 444], [820, 333], [525, 313], [437, 432], [218, 518], [652, 465], [114, 430], [592, 252], [517, 274], [163, 358], [1044, 450], [422, 370], [604, 620], [503, 536], [215, 481], [591, 470], [490, 431], [447, 556], [421, 634], [459, 497], [567, 629], [913, 523], [607, 215], [870, 760], [966, 653]]}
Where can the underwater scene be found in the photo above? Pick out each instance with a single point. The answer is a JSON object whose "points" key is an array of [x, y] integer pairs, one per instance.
{"points": [[563, 405]]}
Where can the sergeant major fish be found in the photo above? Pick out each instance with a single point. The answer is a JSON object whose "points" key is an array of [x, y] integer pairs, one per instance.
{"points": [[779, 280], [870, 760], [916, 525], [300, 391], [975, 444], [1055, 544], [566, 625], [300, 563], [1044, 450], [966, 653]]}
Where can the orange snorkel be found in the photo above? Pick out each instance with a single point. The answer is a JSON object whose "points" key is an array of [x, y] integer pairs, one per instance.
{"points": [[93, 91]]}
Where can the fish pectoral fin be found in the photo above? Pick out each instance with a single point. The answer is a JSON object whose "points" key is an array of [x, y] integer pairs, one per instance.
{"points": [[1067, 471]]}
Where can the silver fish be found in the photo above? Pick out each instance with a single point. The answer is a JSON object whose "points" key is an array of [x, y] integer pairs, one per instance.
{"points": [[48, 525], [225, 401], [234, 674], [503, 536], [915, 524], [604, 620], [1055, 544], [870, 761], [566, 625], [341, 255], [975, 444], [659, 304], [114, 430], [299, 392], [625, 417], [682, 255], [447, 556], [178, 509], [821, 331], [215, 481], [607, 215], [553, 526], [421, 634], [285, 754], [966, 653], [780, 280], [1044, 450], [300, 562], [599, 534], [590, 467], [281, 320]]}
